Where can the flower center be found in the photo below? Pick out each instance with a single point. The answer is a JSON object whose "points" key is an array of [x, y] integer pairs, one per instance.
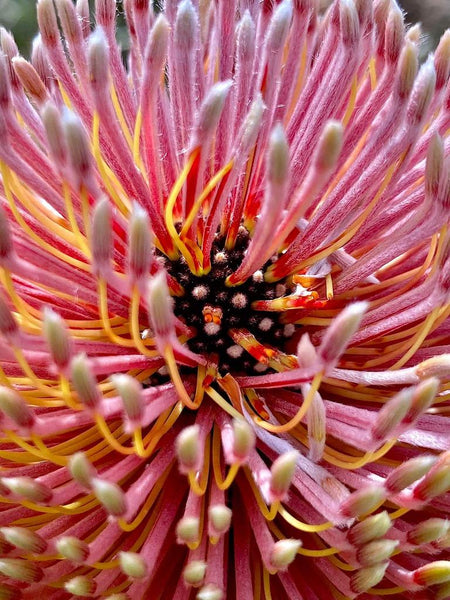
{"points": [[215, 311]]}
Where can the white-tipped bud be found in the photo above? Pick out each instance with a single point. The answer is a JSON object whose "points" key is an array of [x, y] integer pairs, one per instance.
{"points": [[415, 34], [434, 165], [157, 45], [81, 585], [72, 548], [363, 501], [20, 570], [252, 124], [306, 352], [8, 325], [130, 390], [51, 119], [243, 440], [188, 449], [369, 529], [39, 60], [82, 8], [437, 366], [69, 20], [339, 333], [366, 578], [391, 415], [394, 35], [24, 539], [422, 93], [160, 307], [194, 572], [6, 245], [407, 70], [282, 472], [278, 156], [219, 520], [245, 37], [98, 56], [29, 78], [432, 573], [57, 337], [329, 146], [349, 21], [210, 592], [423, 397], [105, 12], [279, 26], [81, 470], [186, 26], [84, 382], [28, 489], [428, 531], [133, 565], [118, 597], [188, 530], [375, 552], [407, 473], [140, 244], [442, 60], [14, 407], [48, 25], [110, 495], [283, 553], [101, 237], [435, 482], [5, 86], [78, 147], [211, 111]]}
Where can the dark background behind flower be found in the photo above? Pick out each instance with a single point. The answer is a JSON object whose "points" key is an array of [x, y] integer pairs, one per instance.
{"points": [[19, 16]]}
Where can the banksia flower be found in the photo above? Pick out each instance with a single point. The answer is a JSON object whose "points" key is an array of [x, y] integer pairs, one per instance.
{"points": [[224, 304]]}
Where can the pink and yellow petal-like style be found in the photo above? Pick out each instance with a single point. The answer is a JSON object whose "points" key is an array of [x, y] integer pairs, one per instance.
{"points": [[224, 307]]}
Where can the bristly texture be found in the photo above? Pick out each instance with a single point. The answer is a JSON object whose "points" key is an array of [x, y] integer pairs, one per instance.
{"points": [[224, 314]]}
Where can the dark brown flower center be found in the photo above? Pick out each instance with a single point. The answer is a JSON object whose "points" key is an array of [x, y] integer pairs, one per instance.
{"points": [[213, 309]]}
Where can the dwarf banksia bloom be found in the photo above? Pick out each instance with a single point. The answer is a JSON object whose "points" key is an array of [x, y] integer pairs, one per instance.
{"points": [[224, 312]]}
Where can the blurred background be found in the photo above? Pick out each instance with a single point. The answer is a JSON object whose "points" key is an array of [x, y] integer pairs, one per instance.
{"points": [[19, 16]]}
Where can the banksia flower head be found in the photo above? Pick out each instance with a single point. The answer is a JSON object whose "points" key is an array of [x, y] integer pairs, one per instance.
{"points": [[224, 333]]}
